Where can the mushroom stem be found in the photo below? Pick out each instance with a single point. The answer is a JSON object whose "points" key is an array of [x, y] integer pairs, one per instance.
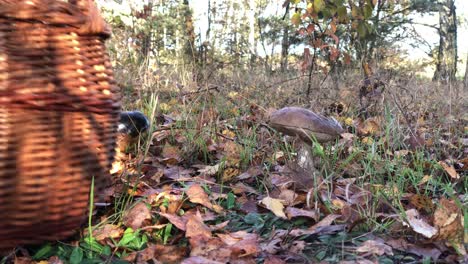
{"points": [[305, 158]]}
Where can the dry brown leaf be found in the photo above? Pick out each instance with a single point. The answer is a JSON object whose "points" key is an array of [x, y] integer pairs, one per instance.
{"points": [[107, 231], [450, 170], [288, 197], [292, 212], [200, 260], [162, 253], [241, 243], [229, 174], [210, 170], [176, 220], [240, 188], [211, 249], [422, 202], [170, 155], [177, 173], [370, 126], [328, 220], [449, 219], [196, 228], [274, 205], [54, 260], [137, 215], [252, 172], [274, 260], [197, 195], [321, 230], [219, 226], [297, 247], [402, 245], [419, 225], [375, 247]]}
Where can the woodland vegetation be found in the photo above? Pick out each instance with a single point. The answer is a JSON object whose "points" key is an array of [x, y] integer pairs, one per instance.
{"points": [[212, 182]]}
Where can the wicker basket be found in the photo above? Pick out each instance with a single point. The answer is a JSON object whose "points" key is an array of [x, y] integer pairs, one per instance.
{"points": [[58, 117]]}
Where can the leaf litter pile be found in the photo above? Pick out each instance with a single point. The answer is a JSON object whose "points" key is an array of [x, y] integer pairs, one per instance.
{"points": [[213, 183]]}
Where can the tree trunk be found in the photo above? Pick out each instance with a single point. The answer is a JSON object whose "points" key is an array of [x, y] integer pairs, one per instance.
{"points": [[465, 79], [446, 67], [146, 35], [285, 45], [252, 39], [189, 31]]}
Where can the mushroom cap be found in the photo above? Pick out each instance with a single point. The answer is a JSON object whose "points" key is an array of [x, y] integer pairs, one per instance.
{"points": [[301, 122]]}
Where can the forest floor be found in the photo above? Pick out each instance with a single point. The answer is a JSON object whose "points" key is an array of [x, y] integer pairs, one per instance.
{"points": [[211, 182]]}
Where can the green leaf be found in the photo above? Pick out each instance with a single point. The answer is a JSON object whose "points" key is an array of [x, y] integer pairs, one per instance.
{"points": [[362, 30], [342, 13], [106, 251], [368, 11], [128, 237], [231, 200], [296, 19], [45, 252], [92, 244], [76, 256], [318, 5], [167, 233], [321, 255]]}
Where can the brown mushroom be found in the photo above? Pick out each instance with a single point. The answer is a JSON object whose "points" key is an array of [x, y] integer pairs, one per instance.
{"points": [[306, 125]]}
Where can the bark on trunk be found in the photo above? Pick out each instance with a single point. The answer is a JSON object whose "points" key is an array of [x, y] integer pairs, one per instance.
{"points": [[465, 79], [446, 67], [285, 45]]}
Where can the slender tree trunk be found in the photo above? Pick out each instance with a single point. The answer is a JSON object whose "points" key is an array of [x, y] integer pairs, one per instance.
{"points": [[285, 45], [146, 35], [465, 79], [252, 40], [446, 67], [189, 30]]}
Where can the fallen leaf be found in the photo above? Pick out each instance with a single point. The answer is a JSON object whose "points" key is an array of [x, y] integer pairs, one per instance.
{"points": [[450, 170], [176, 220], [422, 202], [210, 249], [196, 227], [229, 174], [54, 260], [210, 170], [200, 260], [274, 260], [328, 220], [402, 245], [240, 188], [274, 205], [197, 195], [449, 219], [242, 243], [321, 230], [292, 212], [170, 155], [375, 247], [419, 225], [252, 172], [107, 231], [219, 226], [162, 253], [136, 216]]}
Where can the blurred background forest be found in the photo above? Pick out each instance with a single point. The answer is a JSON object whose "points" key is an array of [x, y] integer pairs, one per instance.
{"points": [[312, 49]]}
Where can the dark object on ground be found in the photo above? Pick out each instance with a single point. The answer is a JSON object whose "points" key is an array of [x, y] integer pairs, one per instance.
{"points": [[133, 123]]}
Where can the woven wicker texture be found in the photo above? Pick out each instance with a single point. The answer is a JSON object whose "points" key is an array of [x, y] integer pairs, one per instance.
{"points": [[59, 110]]}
